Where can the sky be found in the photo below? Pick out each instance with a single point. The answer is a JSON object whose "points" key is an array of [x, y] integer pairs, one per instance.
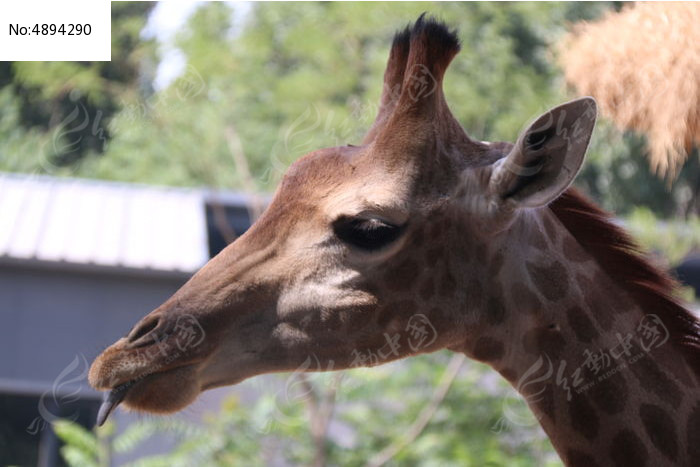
{"points": [[164, 23]]}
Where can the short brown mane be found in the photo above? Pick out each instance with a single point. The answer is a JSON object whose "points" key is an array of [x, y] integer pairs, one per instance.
{"points": [[621, 258]]}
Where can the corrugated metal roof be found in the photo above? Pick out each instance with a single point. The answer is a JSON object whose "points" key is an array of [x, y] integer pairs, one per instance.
{"points": [[102, 223]]}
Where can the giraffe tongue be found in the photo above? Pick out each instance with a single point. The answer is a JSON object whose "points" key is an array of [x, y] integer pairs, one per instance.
{"points": [[110, 400]]}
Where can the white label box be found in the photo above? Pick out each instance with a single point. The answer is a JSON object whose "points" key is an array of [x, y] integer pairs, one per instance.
{"points": [[59, 30]]}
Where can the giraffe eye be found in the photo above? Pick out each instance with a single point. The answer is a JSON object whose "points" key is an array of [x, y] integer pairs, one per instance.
{"points": [[367, 234]]}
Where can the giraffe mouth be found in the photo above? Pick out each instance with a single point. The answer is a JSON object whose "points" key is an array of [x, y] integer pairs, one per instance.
{"points": [[157, 392], [111, 399]]}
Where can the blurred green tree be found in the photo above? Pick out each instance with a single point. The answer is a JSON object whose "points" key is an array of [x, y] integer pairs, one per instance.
{"points": [[55, 114], [259, 91], [479, 421], [295, 78]]}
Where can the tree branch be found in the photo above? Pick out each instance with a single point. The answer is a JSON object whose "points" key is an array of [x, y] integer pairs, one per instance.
{"points": [[321, 408], [424, 417], [256, 206]]}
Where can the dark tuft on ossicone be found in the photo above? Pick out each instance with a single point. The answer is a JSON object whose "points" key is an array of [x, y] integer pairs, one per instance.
{"points": [[437, 33], [402, 39]]}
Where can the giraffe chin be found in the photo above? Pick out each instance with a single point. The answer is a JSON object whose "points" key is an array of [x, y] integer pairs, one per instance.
{"points": [[159, 393]]}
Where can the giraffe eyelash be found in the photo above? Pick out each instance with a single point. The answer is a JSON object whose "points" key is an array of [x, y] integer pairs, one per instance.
{"points": [[366, 234]]}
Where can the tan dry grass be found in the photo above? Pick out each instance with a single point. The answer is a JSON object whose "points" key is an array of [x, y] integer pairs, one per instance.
{"points": [[643, 67]]}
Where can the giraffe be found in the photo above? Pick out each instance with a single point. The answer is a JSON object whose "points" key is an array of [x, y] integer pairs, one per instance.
{"points": [[484, 241]]}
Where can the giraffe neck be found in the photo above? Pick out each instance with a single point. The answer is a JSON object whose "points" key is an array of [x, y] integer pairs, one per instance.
{"points": [[596, 368]]}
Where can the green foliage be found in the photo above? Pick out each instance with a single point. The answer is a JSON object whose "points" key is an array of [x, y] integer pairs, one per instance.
{"points": [[67, 105], [21, 149], [83, 448], [471, 427], [293, 78], [670, 240], [81, 444], [617, 175], [482, 421], [673, 239], [269, 84]]}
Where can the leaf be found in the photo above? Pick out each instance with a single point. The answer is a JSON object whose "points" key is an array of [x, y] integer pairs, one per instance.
{"points": [[76, 457], [132, 436], [77, 437]]}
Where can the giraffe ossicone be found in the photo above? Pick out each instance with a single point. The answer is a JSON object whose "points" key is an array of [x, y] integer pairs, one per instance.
{"points": [[423, 231]]}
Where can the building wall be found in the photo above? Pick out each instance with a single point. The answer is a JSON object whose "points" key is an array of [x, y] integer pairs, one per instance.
{"points": [[54, 320], [48, 316]]}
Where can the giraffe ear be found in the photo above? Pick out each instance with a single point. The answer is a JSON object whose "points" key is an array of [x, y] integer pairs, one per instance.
{"points": [[547, 156]]}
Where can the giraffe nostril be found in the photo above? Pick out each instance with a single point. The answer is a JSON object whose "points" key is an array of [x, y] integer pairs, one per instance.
{"points": [[142, 329]]}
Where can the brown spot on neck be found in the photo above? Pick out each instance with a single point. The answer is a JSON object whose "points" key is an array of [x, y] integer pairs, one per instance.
{"points": [[610, 394], [576, 458], [660, 428], [434, 255], [551, 280], [427, 290], [693, 430], [583, 417], [627, 450], [543, 340], [545, 403], [581, 324], [523, 299], [596, 306], [402, 276], [495, 311], [653, 380]]}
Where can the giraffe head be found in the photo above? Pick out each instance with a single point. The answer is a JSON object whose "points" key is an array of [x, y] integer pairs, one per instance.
{"points": [[361, 246]]}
